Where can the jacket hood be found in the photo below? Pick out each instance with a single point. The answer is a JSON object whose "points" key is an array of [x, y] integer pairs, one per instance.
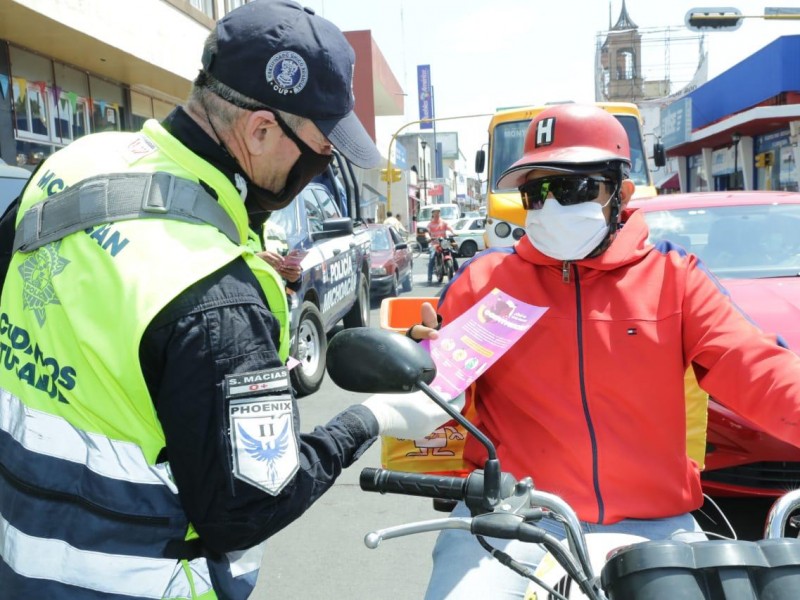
{"points": [[628, 246]]}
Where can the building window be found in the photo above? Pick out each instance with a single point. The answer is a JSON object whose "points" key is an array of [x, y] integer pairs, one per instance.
{"points": [[55, 104], [204, 6], [108, 105], [698, 181], [231, 4], [625, 64]]}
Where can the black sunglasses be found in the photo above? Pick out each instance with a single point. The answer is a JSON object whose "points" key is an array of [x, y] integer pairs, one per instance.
{"points": [[567, 189]]}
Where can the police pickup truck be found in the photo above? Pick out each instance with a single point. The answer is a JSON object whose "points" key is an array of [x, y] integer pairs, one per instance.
{"points": [[333, 249]]}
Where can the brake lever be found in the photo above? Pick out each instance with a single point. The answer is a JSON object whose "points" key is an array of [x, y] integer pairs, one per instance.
{"points": [[374, 538]]}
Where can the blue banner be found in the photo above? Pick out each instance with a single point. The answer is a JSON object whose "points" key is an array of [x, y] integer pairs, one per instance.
{"points": [[425, 92], [400, 156]]}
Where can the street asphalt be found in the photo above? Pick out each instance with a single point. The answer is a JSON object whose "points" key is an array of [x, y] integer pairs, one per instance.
{"points": [[322, 554]]}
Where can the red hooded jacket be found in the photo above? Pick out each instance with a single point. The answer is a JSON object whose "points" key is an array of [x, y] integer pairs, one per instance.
{"points": [[590, 402]]}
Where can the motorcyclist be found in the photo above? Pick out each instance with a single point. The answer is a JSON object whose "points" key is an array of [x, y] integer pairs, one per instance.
{"points": [[438, 228], [149, 440], [590, 402]]}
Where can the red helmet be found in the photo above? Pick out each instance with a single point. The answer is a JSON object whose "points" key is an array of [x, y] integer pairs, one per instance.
{"points": [[570, 138]]}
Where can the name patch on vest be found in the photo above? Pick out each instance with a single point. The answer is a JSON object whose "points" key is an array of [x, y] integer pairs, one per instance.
{"points": [[247, 384], [264, 450]]}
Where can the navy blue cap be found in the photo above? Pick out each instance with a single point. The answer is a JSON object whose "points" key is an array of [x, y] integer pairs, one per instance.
{"points": [[286, 57]]}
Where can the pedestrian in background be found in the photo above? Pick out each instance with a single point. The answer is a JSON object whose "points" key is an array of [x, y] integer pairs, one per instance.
{"points": [[393, 221]]}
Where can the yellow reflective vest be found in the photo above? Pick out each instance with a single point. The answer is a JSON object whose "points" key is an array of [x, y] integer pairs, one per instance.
{"points": [[83, 502]]}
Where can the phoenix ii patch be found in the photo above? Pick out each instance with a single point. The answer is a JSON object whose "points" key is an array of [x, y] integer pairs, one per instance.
{"points": [[264, 450]]}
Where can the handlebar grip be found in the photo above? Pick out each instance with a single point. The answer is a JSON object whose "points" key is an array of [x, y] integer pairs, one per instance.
{"points": [[413, 484]]}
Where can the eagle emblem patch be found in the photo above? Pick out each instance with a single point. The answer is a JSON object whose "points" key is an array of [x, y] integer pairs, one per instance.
{"points": [[261, 430]]}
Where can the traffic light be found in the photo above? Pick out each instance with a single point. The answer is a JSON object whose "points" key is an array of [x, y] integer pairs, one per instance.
{"points": [[764, 159], [396, 175], [713, 19]]}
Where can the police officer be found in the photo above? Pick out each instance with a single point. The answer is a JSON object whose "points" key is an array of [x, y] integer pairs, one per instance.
{"points": [[149, 439]]}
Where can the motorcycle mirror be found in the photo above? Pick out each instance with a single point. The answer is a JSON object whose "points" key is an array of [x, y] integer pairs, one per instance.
{"points": [[377, 361]]}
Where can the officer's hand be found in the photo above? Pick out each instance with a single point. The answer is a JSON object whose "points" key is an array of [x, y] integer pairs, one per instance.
{"points": [[430, 323], [276, 261], [409, 416]]}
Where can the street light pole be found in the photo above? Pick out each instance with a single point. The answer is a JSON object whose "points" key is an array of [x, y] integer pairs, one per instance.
{"points": [[424, 145], [396, 133]]}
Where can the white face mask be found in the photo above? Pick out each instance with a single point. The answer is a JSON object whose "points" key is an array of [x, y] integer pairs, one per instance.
{"points": [[566, 232]]}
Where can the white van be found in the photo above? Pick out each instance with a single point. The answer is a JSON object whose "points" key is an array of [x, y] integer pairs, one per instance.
{"points": [[450, 213]]}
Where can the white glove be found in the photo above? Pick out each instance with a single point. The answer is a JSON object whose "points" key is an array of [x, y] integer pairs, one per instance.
{"points": [[409, 416]]}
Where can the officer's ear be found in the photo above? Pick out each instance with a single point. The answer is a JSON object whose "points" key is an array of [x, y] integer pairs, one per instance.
{"points": [[258, 127]]}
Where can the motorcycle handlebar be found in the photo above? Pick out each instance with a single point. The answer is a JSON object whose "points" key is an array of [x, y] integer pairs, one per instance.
{"points": [[413, 484], [470, 489]]}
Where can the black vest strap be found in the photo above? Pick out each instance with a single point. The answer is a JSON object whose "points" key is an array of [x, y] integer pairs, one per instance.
{"points": [[183, 549], [119, 197]]}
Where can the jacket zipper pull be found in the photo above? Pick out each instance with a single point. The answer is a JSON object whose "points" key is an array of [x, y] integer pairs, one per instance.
{"points": [[565, 272]]}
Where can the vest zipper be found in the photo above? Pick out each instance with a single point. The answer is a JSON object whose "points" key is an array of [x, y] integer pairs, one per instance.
{"points": [[565, 272], [72, 499], [584, 400]]}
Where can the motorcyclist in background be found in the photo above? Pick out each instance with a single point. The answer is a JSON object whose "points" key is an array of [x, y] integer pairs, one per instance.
{"points": [[437, 228]]}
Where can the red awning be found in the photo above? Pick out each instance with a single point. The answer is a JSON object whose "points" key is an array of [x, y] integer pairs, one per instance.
{"points": [[670, 182]]}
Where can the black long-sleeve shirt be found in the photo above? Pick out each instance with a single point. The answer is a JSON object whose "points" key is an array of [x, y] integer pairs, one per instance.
{"points": [[222, 326]]}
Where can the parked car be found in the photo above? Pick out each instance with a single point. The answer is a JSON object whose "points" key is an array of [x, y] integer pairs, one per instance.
{"points": [[469, 235], [12, 180], [334, 286], [391, 262], [751, 241]]}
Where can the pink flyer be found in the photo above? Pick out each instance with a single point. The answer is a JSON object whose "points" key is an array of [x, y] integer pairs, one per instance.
{"points": [[473, 342], [295, 257]]}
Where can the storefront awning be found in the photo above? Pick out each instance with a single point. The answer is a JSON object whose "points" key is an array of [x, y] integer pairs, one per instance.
{"points": [[371, 196], [670, 182]]}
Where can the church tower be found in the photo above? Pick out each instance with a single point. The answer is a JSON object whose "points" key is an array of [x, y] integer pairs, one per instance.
{"points": [[620, 56]]}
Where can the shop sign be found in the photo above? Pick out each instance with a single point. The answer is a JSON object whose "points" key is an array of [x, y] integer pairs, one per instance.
{"points": [[676, 123]]}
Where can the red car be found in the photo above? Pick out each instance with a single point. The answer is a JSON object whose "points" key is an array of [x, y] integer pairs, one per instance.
{"points": [[751, 241], [391, 266]]}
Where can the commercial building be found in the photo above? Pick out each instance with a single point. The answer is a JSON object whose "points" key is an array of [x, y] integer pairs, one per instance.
{"points": [[741, 129], [72, 68]]}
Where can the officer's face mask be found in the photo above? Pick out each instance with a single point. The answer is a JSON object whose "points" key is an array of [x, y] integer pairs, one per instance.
{"points": [[308, 165]]}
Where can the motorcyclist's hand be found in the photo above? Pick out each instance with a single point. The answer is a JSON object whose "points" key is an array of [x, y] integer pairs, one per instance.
{"points": [[409, 416], [430, 324]]}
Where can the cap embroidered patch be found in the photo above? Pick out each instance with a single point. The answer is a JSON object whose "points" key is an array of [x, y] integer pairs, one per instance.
{"points": [[287, 72]]}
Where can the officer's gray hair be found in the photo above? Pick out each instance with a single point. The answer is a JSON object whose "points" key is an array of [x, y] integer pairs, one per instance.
{"points": [[226, 103]]}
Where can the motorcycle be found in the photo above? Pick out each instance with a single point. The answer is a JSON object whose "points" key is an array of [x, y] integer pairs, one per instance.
{"points": [[444, 264], [630, 568]]}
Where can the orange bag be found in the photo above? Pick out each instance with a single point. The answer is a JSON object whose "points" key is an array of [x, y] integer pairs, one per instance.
{"points": [[442, 451]]}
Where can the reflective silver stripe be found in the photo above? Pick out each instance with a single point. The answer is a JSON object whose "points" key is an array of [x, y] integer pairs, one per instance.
{"points": [[179, 587], [246, 561], [50, 435], [56, 560]]}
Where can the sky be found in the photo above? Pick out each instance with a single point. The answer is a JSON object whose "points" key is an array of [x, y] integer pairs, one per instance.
{"points": [[488, 54]]}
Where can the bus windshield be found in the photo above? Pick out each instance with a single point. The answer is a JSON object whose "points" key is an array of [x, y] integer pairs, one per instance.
{"points": [[509, 139]]}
